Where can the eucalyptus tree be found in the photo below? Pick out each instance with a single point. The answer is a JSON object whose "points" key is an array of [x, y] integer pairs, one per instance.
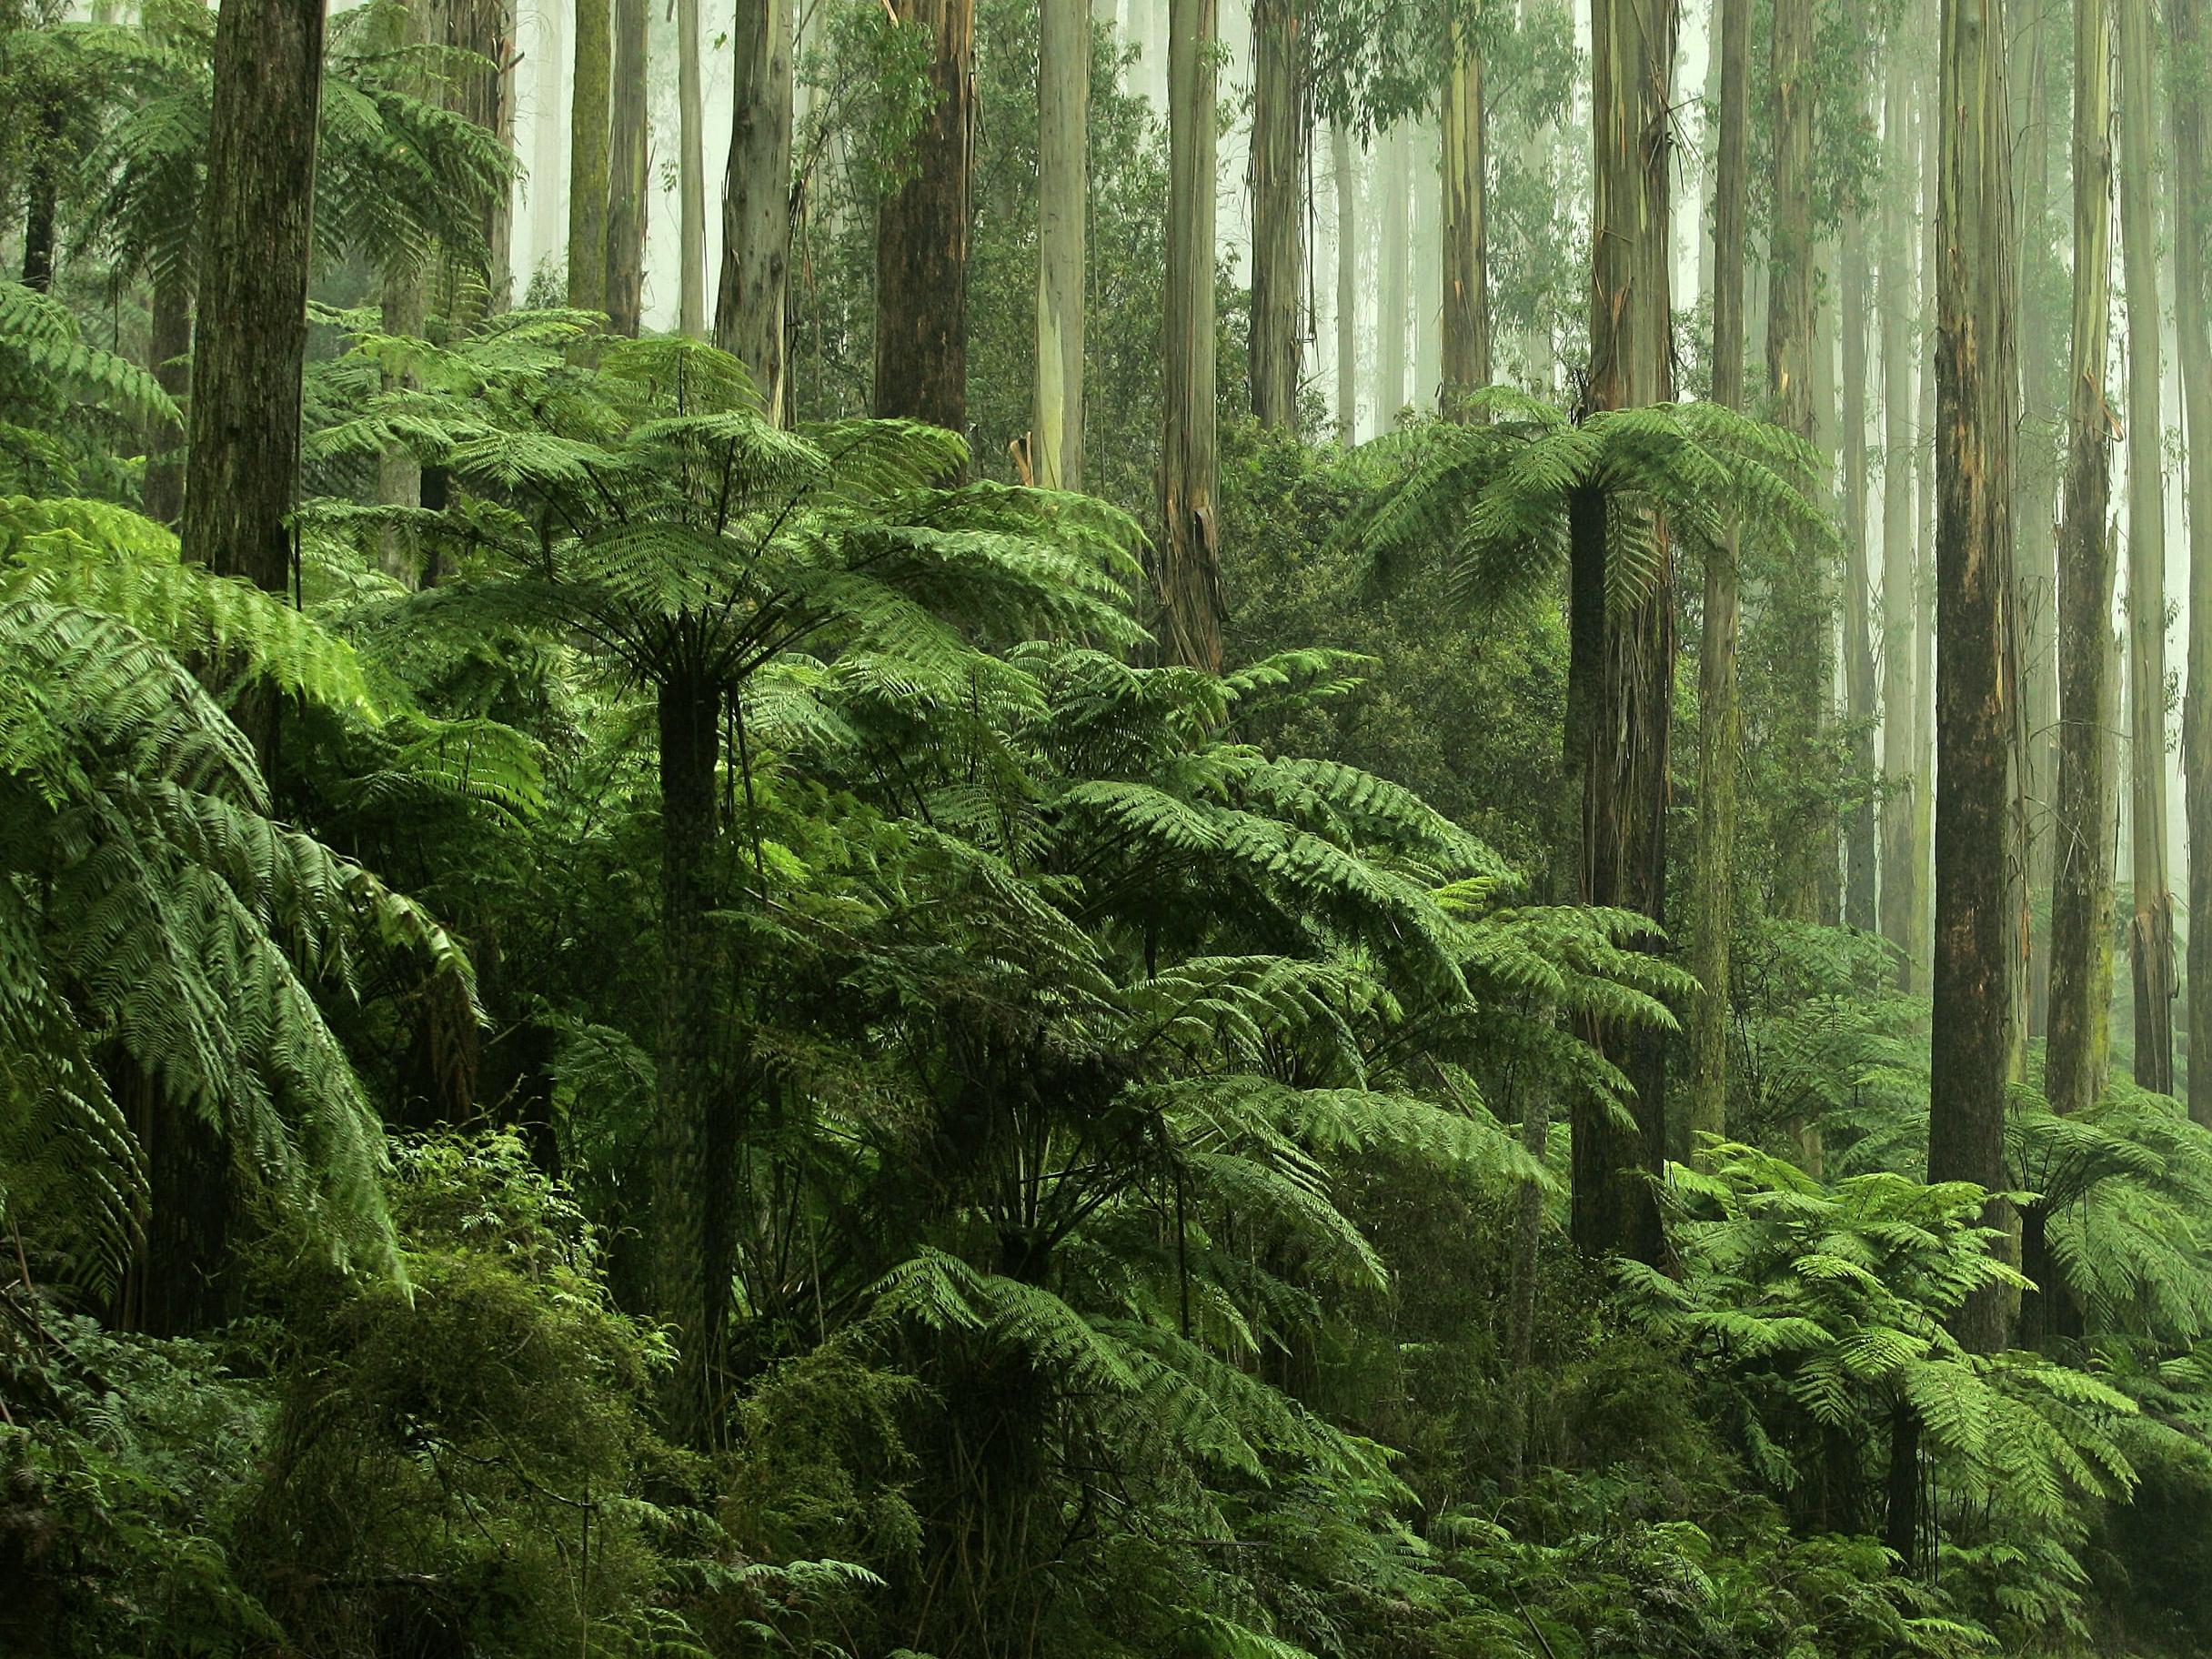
{"points": [[2193, 322], [751, 317], [922, 236], [1187, 568], [1976, 936], [591, 101], [2080, 1032], [1281, 143], [2150, 933], [1344, 182], [628, 170], [1063, 205], [691, 176], [1897, 299], [1467, 187]]}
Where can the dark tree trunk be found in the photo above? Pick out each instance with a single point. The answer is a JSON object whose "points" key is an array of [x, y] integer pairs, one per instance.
{"points": [[2078, 1051], [1975, 931], [921, 239], [172, 353], [243, 469], [1624, 789], [749, 318], [629, 139], [1280, 136], [44, 185], [590, 91], [1187, 567], [695, 1193]]}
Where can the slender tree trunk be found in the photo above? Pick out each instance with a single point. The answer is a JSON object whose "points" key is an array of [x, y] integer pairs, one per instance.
{"points": [[691, 178], [1466, 265], [751, 317], [1925, 580], [629, 141], [1347, 285], [399, 474], [2078, 1053], [1975, 933], [257, 226], [1187, 574], [590, 90], [1063, 104], [2151, 928], [1280, 135], [1860, 877], [1425, 263], [2192, 211], [1624, 796], [1720, 730], [1391, 196], [545, 182], [164, 497], [921, 238], [1799, 598], [1900, 345]]}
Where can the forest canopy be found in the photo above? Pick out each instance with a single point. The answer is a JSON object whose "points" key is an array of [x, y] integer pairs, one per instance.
{"points": [[1326, 829]]}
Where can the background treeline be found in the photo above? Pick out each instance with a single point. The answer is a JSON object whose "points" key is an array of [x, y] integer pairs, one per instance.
{"points": [[1288, 832]]}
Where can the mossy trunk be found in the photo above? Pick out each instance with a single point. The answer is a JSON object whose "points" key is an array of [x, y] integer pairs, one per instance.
{"points": [[590, 90], [171, 351]]}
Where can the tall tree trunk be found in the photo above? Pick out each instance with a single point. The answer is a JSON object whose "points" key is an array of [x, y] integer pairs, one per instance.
{"points": [[1720, 729], [1975, 933], [399, 473], [2192, 210], [1347, 285], [921, 238], [43, 188], [257, 227], [1063, 106], [545, 181], [1860, 878], [1900, 344], [1466, 264], [2043, 399], [1279, 132], [1615, 1209], [1391, 197], [2151, 928], [1799, 599], [1187, 574], [164, 497], [691, 178], [483, 94], [629, 146], [1923, 610], [2079, 1047], [750, 318], [590, 90], [1425, 263]]}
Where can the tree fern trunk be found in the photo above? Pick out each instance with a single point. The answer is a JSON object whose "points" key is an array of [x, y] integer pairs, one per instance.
{"points": [[2078, 1052], [921, 239], [695, 1188]]}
